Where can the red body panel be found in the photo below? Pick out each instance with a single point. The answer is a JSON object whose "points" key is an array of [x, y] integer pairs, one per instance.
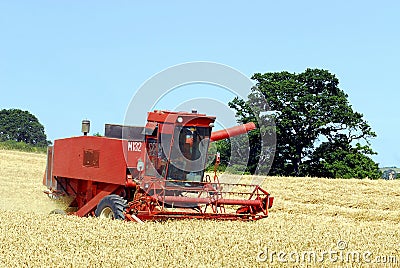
{"points": [[68, 159], [134, 150]]}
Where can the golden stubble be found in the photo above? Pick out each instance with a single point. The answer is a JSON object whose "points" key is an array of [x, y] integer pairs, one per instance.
{"points": [[309, 214]]}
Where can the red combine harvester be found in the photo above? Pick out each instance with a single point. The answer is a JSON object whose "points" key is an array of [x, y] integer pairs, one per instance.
{"points": [[150, 173]]}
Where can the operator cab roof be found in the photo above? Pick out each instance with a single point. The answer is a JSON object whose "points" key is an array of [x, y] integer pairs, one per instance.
{"points": [[184, 118]]}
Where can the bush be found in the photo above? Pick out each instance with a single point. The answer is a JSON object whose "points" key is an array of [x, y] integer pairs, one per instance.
{"points": [[22, 146]]}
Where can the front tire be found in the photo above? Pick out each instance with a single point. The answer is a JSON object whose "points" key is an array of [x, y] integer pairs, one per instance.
{"points": [[111, 207]]}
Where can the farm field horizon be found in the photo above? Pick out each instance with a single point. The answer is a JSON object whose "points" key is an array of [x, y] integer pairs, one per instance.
{"points": [[351, 218]]}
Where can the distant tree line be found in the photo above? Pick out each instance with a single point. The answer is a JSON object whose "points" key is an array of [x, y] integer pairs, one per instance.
{"points": [[21, 127], [317, 131]]}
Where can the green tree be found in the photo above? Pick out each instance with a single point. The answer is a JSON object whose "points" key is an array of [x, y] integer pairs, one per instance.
{"points": [[308, 107], [21, 126], [338, 159]]}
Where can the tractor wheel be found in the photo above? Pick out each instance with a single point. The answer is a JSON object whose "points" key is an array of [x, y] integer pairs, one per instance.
{"points": [[111, 207]]}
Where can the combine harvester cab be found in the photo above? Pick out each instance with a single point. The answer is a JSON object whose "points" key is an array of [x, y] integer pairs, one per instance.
{"points": [[151, 173]]}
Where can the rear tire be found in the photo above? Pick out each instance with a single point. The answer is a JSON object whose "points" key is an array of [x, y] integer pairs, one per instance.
{"points": [[111, 207]]}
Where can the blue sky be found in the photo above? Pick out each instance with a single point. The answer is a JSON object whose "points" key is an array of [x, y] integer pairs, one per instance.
{"points": [[65, 61]]}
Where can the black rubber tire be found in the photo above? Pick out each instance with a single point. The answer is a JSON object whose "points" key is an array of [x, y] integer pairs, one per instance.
{"points": [[112, 206], [58, 211]]}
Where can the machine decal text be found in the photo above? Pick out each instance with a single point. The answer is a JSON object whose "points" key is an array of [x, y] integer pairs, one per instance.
{"points": [[134, 146]]}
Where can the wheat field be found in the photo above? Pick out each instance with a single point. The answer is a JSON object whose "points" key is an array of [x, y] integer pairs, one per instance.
{"points": [[314, 222]]}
